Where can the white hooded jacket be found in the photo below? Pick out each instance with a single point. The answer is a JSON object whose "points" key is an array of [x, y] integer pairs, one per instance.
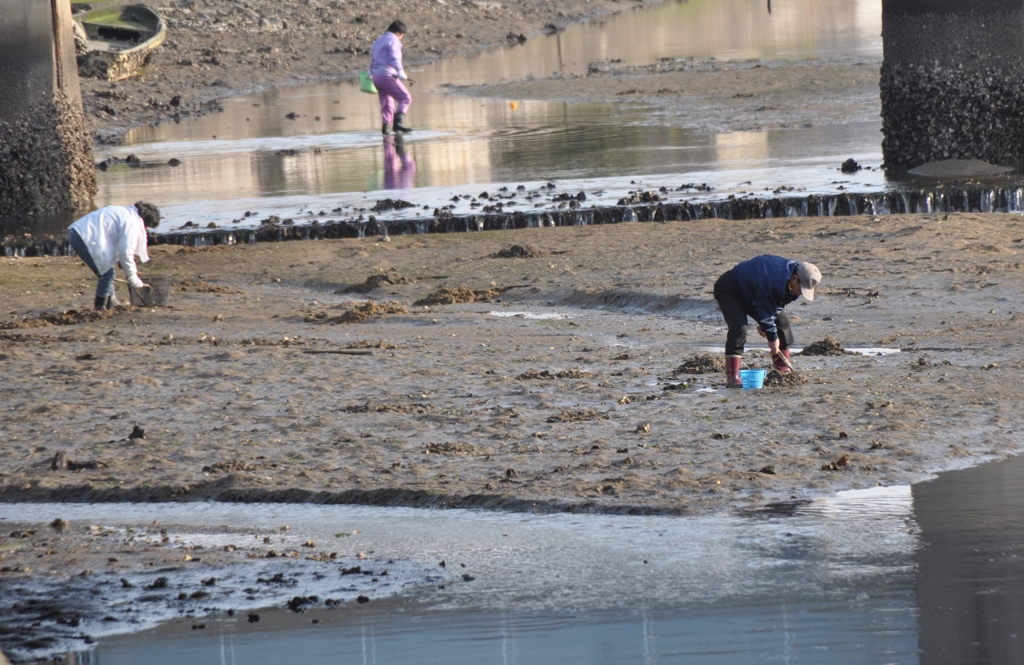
{"points": [[112, 234]]}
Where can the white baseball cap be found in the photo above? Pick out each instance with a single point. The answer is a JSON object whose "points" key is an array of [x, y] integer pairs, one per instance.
{"points": [[810, 277]]}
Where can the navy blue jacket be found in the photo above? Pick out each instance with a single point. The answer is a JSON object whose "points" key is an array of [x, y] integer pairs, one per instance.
{"points": [[763, 282]]}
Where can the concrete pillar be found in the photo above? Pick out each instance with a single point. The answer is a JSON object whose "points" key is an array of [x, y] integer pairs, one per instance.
{"points": [[46, 163], [952, 81]]}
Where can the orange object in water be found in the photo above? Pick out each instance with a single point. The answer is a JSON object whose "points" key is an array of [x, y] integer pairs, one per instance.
{"points": [[513, 105]]}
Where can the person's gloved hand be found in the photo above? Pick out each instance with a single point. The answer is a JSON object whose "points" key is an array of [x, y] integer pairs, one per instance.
{"points": [[136, 282], [402, 75], [773, 345]]}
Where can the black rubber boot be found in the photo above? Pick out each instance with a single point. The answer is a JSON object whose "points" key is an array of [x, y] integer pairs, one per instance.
{"points": [[100, 303], [385, 129], [399, 123]]}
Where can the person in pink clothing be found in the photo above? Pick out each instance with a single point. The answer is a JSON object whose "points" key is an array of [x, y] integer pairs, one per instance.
{"points": [[388, 74]]}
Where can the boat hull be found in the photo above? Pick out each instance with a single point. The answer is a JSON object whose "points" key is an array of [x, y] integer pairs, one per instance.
{"points": [[120, 40]]}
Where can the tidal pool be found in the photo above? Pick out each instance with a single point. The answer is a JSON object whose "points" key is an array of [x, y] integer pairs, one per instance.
{"points": [[924, 574], [330, 154]]}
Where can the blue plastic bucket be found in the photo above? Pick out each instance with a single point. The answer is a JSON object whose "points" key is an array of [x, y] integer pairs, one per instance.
{"points": [[753, 379]]}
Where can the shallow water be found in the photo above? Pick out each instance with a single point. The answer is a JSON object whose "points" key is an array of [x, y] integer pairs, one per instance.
{"points": [[931, 573], [555, 587], [235, 160]]}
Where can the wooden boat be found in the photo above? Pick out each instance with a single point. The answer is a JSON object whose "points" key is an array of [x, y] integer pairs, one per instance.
{"points": [[120, 40]]}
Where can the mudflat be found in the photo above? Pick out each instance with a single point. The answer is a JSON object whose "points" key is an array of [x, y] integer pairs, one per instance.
{"points": [[713, 95], [561, 379], [217, 49]]}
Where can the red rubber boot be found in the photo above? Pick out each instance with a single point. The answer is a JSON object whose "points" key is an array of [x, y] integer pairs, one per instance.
{"points": [[780, 365], [732, 371]]}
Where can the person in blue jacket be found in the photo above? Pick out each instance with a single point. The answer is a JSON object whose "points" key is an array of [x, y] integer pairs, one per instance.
{"points": [[760, 288]]}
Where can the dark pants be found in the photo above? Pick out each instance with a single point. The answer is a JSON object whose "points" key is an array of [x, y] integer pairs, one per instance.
{"points": [[105, 287], [735, 310]]}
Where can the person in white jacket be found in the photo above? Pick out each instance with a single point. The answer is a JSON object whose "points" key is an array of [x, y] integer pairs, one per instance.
{"points": [[112, 235]]}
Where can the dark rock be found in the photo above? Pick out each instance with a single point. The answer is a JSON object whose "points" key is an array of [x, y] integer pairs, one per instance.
{"points": [[391, 204], [850, 166], [158, 583], [137, 433], [299, 603]]}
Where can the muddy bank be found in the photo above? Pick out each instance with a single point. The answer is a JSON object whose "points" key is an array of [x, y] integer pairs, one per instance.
{"points": [[216, 49], [465, 404]]}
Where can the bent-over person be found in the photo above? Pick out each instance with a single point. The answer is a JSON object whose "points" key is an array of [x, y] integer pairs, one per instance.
{"points": [[112, 235], [760, 288]]}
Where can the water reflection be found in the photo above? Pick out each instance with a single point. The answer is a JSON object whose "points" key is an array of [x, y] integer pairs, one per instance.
{"points": [[970, 569], [930, 574], [256, 148], [399, 165]]}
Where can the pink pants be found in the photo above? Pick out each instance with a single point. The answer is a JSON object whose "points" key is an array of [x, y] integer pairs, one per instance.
{"points": [[399, 166], [391, 92]]}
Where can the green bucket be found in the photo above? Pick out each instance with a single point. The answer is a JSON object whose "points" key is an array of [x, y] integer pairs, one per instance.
{"points": [[366, 84]]}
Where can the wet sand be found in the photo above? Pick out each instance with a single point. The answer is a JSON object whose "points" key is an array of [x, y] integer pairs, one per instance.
{"points": [[452, 405], [718, 95], [558, 391], [217, 49]]}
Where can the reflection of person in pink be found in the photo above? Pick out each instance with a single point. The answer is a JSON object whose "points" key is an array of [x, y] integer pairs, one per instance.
{"points": [[399, 166], [388, 74]]}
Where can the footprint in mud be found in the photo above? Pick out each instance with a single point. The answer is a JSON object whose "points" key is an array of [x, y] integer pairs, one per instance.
{"points": [[520, 252], [366, 344], [66, 318], [377, 407], [577, 416], [376, 281], [533, 374], [457, 448], [199, 286], [61, 462]]}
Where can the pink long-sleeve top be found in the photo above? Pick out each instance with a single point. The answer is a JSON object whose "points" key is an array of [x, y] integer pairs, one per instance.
{"points": [[386, 56]]}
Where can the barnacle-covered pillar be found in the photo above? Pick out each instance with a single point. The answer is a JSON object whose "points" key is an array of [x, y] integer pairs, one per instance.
{"points": [[952, 81], [46, 164]]}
